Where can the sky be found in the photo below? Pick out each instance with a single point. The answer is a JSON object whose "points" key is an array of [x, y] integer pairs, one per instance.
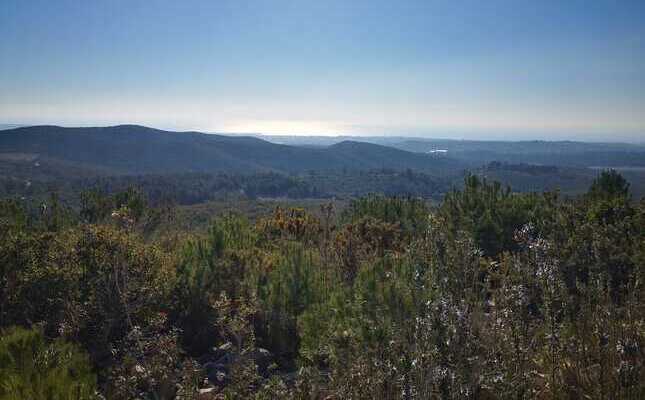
{"points": [[453, 69]]}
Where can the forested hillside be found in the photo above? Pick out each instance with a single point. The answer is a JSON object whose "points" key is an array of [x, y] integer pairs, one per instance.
{"points": [[132, 149], [487, 294], [477, 152], [194, 167]]}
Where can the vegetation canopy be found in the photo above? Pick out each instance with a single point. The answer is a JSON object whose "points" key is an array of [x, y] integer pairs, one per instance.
{"points": [[486, 294]]}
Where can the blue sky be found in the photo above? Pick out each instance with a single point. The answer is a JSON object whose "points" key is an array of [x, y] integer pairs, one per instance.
{"points": [[461, 69]]}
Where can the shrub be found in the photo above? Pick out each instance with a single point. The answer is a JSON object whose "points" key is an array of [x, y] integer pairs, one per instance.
{"points": [[33, 368]]}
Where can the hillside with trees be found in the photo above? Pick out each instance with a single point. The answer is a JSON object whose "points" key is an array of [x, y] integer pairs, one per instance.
{"points": [[192, 167], [135, 150]]}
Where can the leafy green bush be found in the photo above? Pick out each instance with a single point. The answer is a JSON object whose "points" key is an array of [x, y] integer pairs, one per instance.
{"points": [[33, 368]]}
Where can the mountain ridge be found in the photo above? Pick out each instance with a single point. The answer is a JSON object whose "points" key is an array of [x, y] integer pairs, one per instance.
{"points": [[136, 149]]}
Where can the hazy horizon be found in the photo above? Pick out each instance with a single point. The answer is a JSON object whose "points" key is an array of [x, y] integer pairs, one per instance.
{"points": [[491, 137], [467, 70]]}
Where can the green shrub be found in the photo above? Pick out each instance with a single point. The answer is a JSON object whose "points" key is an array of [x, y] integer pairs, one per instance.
{"points": [[32, 368]]}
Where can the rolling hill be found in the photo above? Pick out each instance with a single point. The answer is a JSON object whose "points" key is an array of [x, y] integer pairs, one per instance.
{"points": [[132, 149], [478, 152]]}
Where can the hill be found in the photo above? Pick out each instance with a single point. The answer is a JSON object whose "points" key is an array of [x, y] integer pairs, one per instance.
{"points": [[478, 152], [132, 149]]}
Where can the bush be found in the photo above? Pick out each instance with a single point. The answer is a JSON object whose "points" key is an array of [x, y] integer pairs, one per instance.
{"points": [[32, 368]]}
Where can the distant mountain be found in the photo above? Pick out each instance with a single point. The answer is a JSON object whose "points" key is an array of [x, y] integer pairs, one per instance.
{"points": [[478, 152], [9, 126], [565, 153], [133, 149]]}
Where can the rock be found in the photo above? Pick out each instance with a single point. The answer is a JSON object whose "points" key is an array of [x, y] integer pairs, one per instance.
{"points": [[219, 352], [209, 393], [215, 353], [216, 373], [220, 377]]}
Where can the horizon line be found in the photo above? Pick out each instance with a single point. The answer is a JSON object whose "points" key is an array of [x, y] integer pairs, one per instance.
{"points": [[9, 126]]}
